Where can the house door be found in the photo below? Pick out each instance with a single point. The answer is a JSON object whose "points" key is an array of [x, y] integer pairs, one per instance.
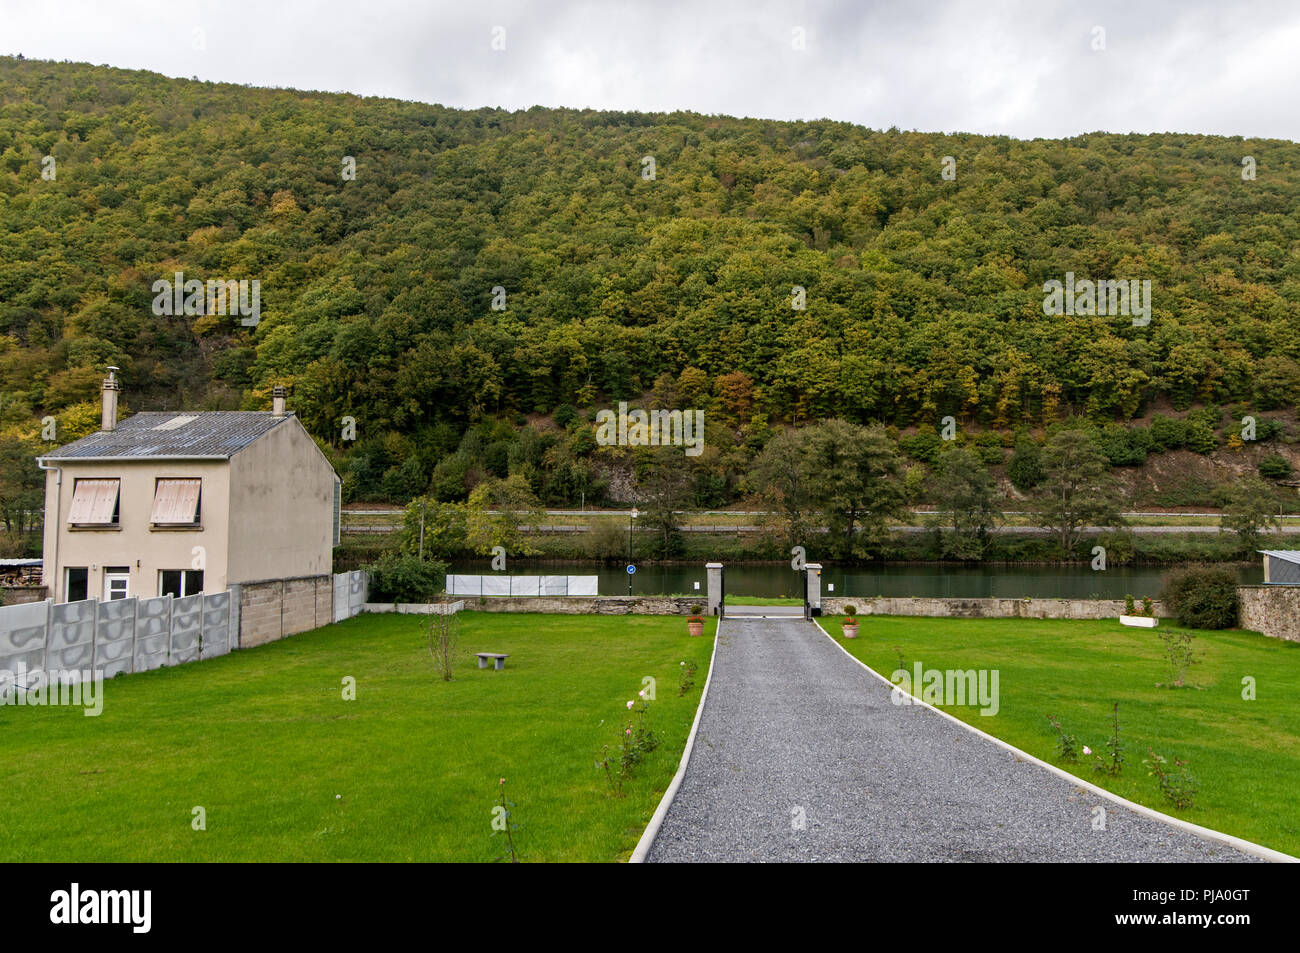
{"points": [[117, 582]]}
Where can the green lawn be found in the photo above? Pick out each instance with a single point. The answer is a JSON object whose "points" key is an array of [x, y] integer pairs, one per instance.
{"points": [[1246, 754], [264, 741]]}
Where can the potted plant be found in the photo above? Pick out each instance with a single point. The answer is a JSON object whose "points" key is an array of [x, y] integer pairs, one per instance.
{"points": [[695, 624], [1143, 617], [850, 623]]}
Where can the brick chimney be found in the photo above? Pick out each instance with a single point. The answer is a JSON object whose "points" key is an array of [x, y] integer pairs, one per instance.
{"points": [[108, 412], [277, 401]]}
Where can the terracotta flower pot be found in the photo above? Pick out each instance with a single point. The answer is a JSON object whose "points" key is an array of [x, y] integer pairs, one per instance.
{"points": [[850, 630], [695, 628]]}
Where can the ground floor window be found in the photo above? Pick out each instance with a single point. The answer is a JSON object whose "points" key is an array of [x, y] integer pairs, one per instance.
{"points": [[76, 585], [180, 582], [117, 582]]}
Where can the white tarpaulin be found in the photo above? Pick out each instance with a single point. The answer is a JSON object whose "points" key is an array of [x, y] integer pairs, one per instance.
{"points": [[583, 585], [465, 585]]}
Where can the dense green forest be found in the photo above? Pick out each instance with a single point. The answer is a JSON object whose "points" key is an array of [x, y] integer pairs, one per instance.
{"points": [[924, 295]]}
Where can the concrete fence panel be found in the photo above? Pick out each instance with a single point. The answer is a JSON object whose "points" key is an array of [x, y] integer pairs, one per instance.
{"points": [[115, 637], [358, 591], [22, 637], [71, 640], [350, 593], [187, 628], [153, 630], [215, 636]]}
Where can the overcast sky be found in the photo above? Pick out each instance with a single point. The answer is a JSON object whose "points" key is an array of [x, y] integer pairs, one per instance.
{"points": [[1026, 69]]}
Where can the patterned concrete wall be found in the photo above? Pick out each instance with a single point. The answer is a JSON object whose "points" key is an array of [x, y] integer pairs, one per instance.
{"points": [[153, 630], [22, 637], [187, 626], [71, 641], [117, 637], [220, 629], [351, 590]]}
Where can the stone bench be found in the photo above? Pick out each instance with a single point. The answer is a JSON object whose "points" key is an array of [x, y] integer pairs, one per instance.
{"points": [[497, 658]]}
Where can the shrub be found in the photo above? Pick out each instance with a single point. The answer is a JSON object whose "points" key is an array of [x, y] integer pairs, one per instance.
{"points": [[606, 540], [1178, 653], [397, 578], [1066, 744], [1202, 597], [1188, 491], [1167, 433], [565, 414], [1275, 467], [1112, 762], [923, 446], [1177, 784], [1125, 446], [1201, 438], [1268, 429], [1025, 468], [849, 612], [988, 447]]}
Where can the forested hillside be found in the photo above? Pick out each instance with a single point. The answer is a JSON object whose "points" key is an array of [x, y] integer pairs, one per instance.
{"points": [[924, 296]]}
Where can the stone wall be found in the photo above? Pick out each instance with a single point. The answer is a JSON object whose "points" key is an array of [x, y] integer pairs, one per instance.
{"points": [[956, 608], [985, 608], [275, 608], [1271, 610], [586, 605], [21, 595]]}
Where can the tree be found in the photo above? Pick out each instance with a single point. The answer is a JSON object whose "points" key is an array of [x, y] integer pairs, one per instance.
{"points": [[855, 479], [964, 492], [22, 490], [1076, 489], [495, 512], [1251, 508], [441, 527], [779, 478], [1025, 468], [664, 488]]}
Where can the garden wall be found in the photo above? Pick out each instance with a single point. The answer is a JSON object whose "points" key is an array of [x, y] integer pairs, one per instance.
{"points": [[985, 608], [120, 636], [1271, 610], [586, 605], [270, 610], [21, 595]]}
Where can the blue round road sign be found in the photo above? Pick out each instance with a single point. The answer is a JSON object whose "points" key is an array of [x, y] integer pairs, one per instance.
{"points": [[631, 570]]}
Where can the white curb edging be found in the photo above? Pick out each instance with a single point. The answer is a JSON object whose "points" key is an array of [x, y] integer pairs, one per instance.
{"points": [[657, 820], [1245, 846]]}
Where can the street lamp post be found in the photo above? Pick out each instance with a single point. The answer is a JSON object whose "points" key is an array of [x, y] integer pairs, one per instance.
{"points": [[630, 517]]}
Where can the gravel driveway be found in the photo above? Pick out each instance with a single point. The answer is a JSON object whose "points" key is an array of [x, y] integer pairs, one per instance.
{"points": [[801, 756]]}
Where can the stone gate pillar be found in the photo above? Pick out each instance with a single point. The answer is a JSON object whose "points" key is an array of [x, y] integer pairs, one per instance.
{"points": [[812, 599], [715, 587]]}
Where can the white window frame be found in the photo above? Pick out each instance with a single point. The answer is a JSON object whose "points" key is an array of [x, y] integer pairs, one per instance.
{"points": [[110, 578]]}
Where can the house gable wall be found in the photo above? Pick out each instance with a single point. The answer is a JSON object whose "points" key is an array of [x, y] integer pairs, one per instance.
{"points": [[281, 507]]}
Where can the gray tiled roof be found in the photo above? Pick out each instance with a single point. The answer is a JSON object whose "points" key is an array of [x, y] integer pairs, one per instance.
{"points": [[209, 434]]}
